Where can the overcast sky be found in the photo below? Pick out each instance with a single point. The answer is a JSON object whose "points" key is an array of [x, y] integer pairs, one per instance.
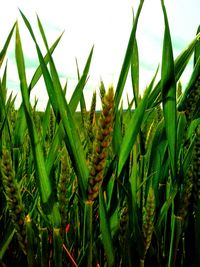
{"points": [[106, 24]]}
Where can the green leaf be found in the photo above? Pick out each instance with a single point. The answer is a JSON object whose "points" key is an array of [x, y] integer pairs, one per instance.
{"points": [[182, 60], [46, 120], [166, 206], [176, 230], [56, 142], [61, 108], [157, 154], [190, 86], [135, 72], [180, 64], [105, 231], [6, 239], [168, 86], [127, 59], [38, 72], [197, 48], [44, 182], [30, 235], [20, 127], [72, 139], [188, 156], [133, 128], [57, 247], [181, 127], [192, 127], [78, 92], [4, 50], [44, 246], [2, 100], [117, 131]]}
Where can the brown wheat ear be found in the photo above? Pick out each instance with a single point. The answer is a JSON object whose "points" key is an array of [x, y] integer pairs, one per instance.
{"points": [[101, 144]]}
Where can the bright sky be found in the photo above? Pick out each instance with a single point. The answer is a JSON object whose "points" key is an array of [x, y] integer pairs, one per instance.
{"points": [[106, 24]]}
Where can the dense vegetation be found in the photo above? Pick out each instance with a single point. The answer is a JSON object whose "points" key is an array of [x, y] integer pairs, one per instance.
{"points": [[118, 189]]}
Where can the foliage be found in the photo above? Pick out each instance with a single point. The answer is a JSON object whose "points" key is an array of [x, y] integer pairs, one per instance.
{"points": [[110, 188]]}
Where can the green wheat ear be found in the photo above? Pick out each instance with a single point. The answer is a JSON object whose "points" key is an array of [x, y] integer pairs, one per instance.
{"points": [[14, 199], [148, 219], [193, 100], [179, 90], [91, 126], [102, 90], [196, 167], [123, 223], [186, 194], [51, 126], [101, 144], [63, 186], [84, 118]]}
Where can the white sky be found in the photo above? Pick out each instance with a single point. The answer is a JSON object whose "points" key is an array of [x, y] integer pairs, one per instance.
{"points": [[107, 25]]}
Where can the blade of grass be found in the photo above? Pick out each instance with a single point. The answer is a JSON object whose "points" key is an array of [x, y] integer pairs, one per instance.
{"points": [[127, 59], [133, 129], [181, 127], [79, 88], [105, 231], [117, 132], [44, 247], [5, 118], [6, 240], [197, 48], [52, 154], [180, 64], [134, 213], [38, 72], [4, 50], [4, 82], [57, 247], [60, 106], [176, 230], [168, 85], [46, 119], [52, 95], [30, 242], [74, 144], [78, 91], [21, 120], [166, 206], [195, 74], [44, 182], [135, 72], [88, 231]]}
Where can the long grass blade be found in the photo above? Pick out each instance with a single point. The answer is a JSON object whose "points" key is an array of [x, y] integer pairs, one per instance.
{"points": [[59, 104], [105, 231], [168, 85], [127, 59], [78, 91], [133, 129], [197, 48], [4, 50], [38, 72], [135, 72], [44, 182], [180, 64]]}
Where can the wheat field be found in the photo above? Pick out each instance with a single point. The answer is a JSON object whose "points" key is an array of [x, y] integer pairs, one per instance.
{"points": [[109, 188]]}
